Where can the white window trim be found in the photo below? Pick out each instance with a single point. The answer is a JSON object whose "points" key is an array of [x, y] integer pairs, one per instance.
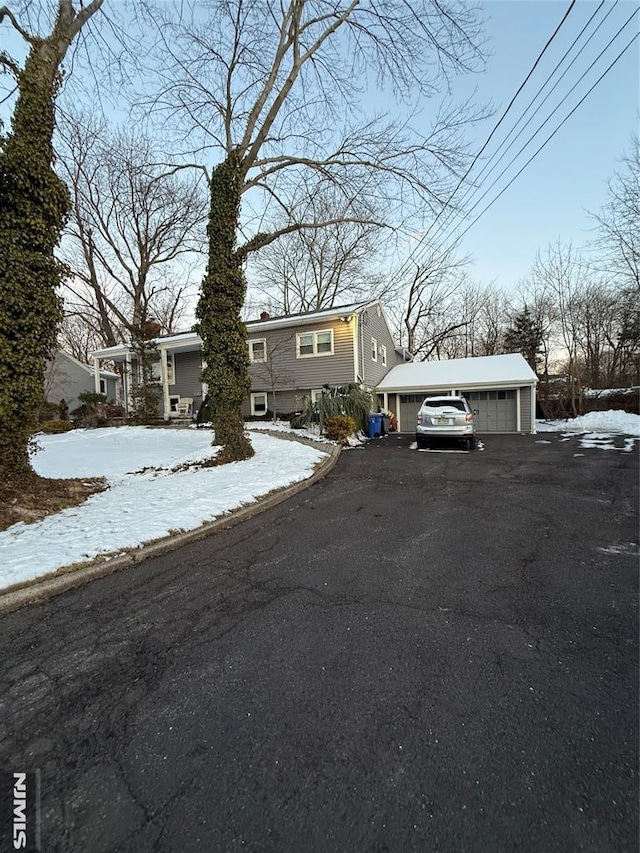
{"points": [[174, 399], [374, 349], [383, 355], [253, 403], [316, 394], [251, 356], [315, 353], [103, 386]]}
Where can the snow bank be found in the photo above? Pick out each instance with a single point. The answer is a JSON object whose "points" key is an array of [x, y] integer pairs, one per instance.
{"points": [[615, 422]]}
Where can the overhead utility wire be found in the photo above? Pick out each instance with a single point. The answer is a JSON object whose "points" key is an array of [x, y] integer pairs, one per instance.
{"points": [[472, 189], [489, 138], [536, 132], [547, 140]]}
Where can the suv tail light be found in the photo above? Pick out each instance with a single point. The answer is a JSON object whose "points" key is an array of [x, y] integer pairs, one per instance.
{"points": [[469, 418], [419, 419]]}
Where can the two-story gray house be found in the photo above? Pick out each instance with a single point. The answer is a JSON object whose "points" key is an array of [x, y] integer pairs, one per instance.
{"points": [[291, 359]]}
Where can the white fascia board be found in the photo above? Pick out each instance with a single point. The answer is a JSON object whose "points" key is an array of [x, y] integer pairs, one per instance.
{"points": [[446, 386], [305, 319], [173, 342]]}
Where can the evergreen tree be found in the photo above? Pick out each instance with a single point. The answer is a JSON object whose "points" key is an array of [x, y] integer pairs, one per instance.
{"points": [[525, 336]]}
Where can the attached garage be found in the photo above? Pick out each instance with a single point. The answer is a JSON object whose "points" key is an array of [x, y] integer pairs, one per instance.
{"points": [[502, 388]]}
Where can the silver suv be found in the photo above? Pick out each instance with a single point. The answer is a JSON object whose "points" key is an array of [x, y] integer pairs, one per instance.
{"points": [[445, 417]]}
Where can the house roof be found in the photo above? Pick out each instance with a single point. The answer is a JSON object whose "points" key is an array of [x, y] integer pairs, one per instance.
{"points": [[190, 340], [106, 374], [490, 370]]}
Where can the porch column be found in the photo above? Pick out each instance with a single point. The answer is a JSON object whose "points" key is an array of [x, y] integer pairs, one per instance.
{"points": [[164, 377], [96, 374], [128, 378], [518, 418], [205, 387]]}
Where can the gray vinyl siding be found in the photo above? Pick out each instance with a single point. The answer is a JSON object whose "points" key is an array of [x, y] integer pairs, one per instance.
{"points": [[188, 381], [370, 325], [284, 371], [112, 389], [287, 402], [65, 380], [525, 408]]}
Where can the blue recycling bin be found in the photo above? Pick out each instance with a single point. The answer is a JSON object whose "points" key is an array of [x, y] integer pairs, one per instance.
{"points": [[375, 426]]}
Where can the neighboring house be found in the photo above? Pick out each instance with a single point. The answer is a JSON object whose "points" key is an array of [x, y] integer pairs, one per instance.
{"points": [[291, 359], [502, 388], [66, 378]]}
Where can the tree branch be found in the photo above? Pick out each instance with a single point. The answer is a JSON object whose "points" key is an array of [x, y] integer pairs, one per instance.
{"points": [[5, 12]]}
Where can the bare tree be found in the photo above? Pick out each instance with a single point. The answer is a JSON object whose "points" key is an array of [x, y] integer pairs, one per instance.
{"points": [[483, 313], [133, 232], [427, 321], [314, 269], [619, 221], [272, 90]]}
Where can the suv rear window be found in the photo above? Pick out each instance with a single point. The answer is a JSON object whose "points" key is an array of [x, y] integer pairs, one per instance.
{"points": [[438, 404]]}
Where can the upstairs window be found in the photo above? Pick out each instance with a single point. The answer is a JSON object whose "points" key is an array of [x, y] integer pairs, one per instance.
{"points": [[258, 350], [383, 355], [374, 349], [309, 344]]}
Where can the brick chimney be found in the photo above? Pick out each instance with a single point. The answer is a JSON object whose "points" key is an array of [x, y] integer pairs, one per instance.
{"points": [[264, 315]]}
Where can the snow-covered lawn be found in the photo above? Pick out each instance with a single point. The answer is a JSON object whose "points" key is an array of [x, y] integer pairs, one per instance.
{"points": [[141, 505]]}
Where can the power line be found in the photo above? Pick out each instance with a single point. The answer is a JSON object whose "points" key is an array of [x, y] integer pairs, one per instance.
{"points": [[547, 140], [532, 137], [474, 188], [491, 134]]}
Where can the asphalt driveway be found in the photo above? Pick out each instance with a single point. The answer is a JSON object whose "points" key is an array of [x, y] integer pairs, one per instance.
{"points": [[425, 651]]}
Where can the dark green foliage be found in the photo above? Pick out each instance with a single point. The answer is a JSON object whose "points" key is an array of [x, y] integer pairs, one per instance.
{"points": [[339, 428], [352, 400], [63, 408], [33, 208], [49, 412], [525, 336], [54, 427], [224, 335], [91, 398]]}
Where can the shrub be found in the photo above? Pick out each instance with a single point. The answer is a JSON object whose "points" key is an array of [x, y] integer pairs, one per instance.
{"points": [[54, 427], [352, 400], [89, 416], [339, 428], [114, 410], [91, 398], [63, 408], [48, 412]]}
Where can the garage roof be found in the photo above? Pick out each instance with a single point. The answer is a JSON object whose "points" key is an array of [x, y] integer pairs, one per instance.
{"points": [[460, 373]]}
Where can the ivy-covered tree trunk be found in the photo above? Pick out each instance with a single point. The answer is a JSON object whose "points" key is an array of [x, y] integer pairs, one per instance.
{"points": [[33, 206], [223, 333]]}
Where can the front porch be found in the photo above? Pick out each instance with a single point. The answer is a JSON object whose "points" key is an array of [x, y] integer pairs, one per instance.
{"points": [[178, 373]]}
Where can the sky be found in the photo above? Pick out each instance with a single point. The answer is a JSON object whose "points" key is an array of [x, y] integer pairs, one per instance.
{"points": [[550, 198]]}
